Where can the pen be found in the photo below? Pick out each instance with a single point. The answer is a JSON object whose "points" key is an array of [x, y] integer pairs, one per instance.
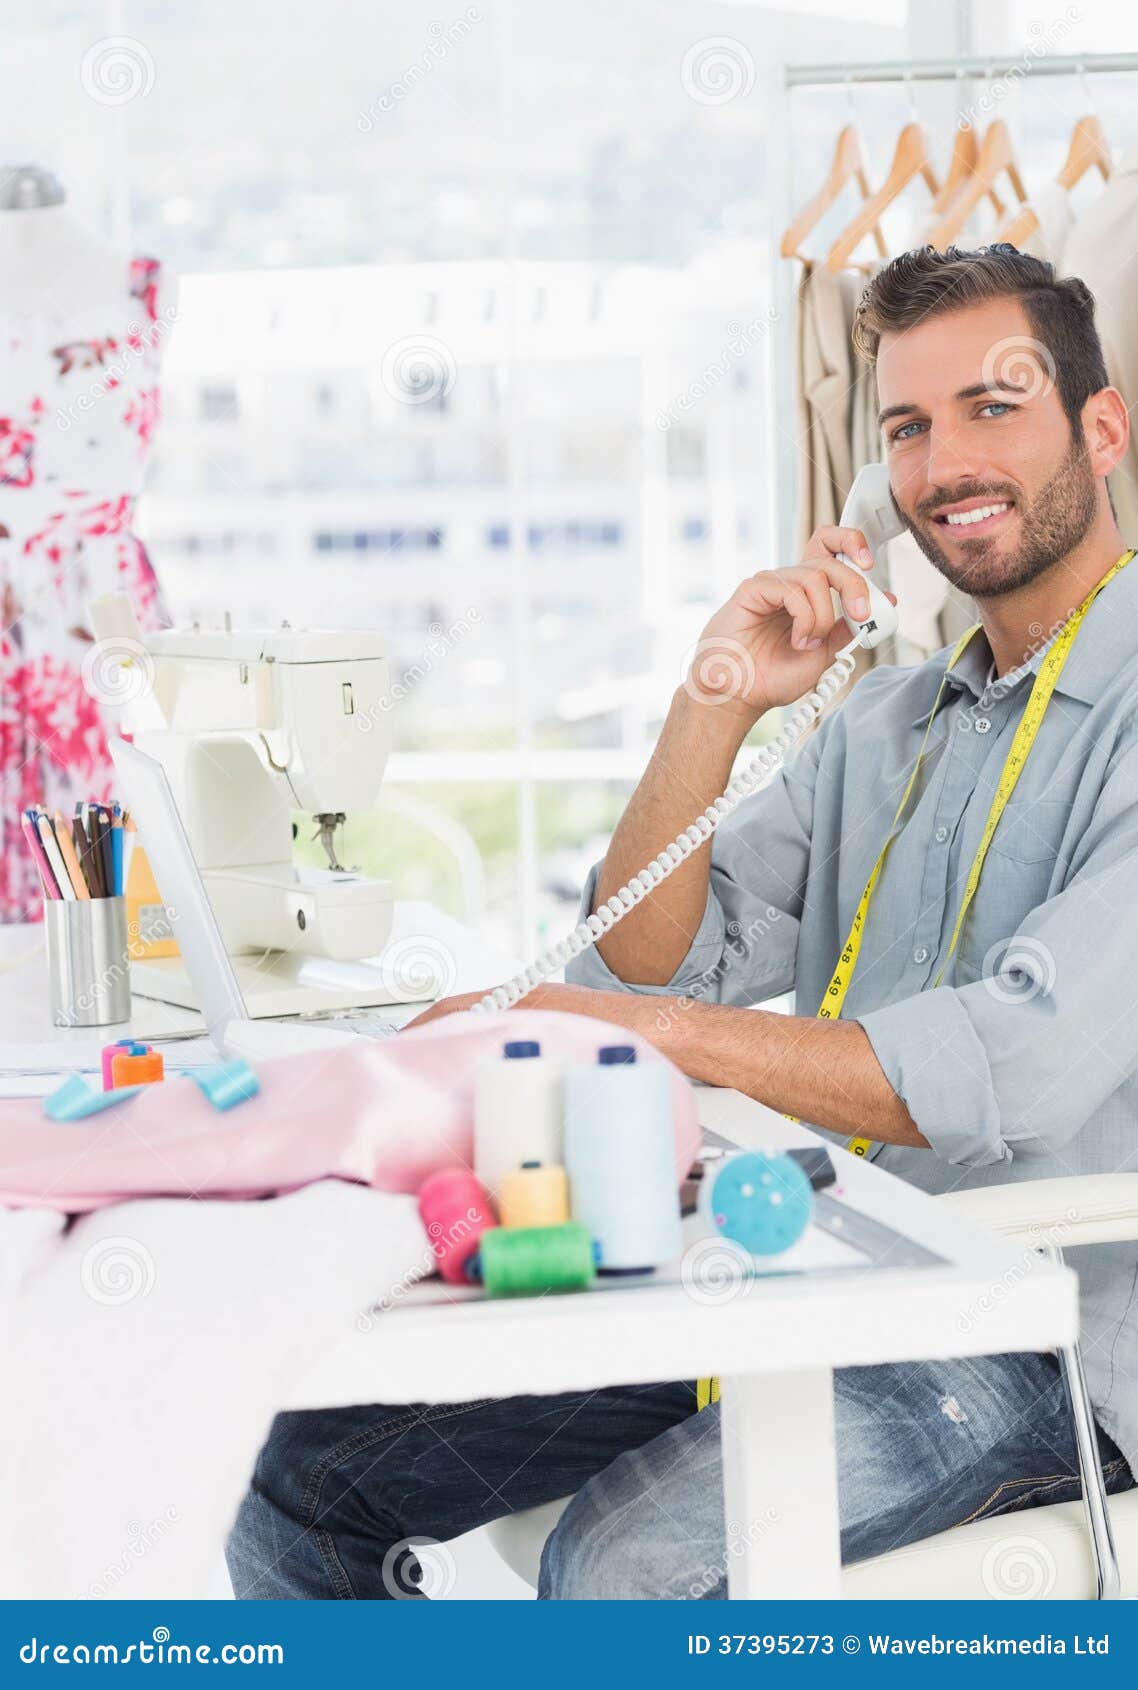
{"points": [[70, 860]]}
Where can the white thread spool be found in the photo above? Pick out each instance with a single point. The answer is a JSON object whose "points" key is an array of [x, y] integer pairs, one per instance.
{"points": [[517, 1112], [620, 1157]]}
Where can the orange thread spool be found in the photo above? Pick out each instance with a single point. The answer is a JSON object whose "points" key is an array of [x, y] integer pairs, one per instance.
{"points": [[137, 1065]]}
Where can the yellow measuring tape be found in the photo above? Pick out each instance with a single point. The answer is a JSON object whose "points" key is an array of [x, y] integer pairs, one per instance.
{"points": [[707, 1390], [1045, 683]]}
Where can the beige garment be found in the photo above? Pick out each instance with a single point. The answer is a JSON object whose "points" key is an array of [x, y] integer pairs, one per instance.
{"points": [[826, 385], [1102, 248], [837, 436]]}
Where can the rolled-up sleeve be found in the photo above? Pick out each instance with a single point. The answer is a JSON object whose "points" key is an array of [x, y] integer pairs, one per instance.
{"points": [[745, 947], [1023, 1058]]}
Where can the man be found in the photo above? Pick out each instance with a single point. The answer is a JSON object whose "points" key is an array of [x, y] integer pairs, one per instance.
{"points": [[996, 1047]]}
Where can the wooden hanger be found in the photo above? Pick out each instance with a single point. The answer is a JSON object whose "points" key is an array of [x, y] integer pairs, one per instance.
{"points": [[997, 158], [965, 154], [1088, 151], [848, 166], [910, 159]]}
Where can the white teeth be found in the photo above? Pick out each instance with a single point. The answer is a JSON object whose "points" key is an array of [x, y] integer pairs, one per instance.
{"points": [[958, 519]]}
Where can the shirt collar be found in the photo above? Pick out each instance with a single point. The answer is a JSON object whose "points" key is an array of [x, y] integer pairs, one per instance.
{"points": [[1104, 644]]}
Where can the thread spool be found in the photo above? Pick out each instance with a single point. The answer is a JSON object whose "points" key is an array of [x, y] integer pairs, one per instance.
{"points": [[517, 1112], [534, 1195], [109, 1052], [137, 1065], [619, 1155], [762, 1203], [456, 1211], [530, 1261]]}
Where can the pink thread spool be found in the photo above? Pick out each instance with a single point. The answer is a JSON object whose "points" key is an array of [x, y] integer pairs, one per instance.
{"points": [[456, 1210]]}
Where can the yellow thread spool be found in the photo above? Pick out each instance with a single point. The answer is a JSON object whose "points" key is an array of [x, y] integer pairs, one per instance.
{"points": [[536, 1194]]}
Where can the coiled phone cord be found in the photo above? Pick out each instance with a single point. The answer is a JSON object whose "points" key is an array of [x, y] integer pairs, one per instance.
{"points": [[606, 916]]}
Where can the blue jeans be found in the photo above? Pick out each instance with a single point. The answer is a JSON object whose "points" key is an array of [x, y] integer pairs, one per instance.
{"points": [[357, 1502]]}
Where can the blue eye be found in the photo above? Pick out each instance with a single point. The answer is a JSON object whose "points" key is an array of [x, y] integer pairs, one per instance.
{"points": [[997, 405], [902, 433]]}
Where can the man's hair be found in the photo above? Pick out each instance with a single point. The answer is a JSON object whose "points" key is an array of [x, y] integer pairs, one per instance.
{"points": [[927, 283]]}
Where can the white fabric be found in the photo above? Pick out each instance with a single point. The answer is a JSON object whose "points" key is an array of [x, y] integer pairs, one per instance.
{"points": [[146, 1351], [1102, 248], [1052, 206]]}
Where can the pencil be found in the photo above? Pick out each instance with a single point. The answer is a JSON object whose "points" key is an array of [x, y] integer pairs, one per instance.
{"points": [[51, 852], [70, 860], [106, 853], [116, 849], [31, 834], [86, 855]]}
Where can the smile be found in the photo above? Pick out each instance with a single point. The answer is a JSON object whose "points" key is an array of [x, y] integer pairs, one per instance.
{"points": [[979, 517]]}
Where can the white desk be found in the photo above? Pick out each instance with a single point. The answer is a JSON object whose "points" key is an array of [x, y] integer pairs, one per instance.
{"points": [[773, 1341]]}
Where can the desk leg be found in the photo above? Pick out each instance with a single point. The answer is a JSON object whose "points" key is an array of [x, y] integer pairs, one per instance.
{"points": [[780, 1484]]}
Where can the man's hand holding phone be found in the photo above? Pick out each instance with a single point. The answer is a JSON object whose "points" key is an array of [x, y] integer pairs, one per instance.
{"points": [[778, 632]]}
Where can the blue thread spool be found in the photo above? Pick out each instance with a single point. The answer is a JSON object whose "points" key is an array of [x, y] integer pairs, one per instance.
{"points": [[620, 1158], [763, 1203]]}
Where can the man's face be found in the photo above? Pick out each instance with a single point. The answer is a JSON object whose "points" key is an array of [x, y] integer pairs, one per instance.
{"points": [[973, 423]]}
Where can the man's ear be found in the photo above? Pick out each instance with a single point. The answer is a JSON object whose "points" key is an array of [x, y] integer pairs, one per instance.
{"points": [[1106, 429]]}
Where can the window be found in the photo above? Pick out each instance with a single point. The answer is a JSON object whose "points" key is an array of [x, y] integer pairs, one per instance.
{"points": [[451, 313], [218, 404]]}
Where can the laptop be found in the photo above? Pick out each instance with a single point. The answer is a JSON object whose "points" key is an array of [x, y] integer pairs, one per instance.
{"points": [[207, 964]]}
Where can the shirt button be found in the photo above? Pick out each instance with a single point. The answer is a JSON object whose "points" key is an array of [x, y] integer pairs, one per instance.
{"points": [[941, 835], [982, 724], [921, 955]]}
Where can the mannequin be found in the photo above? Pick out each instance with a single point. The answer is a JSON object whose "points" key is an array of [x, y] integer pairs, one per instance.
{"points": [[45, 255], [82, 332]]}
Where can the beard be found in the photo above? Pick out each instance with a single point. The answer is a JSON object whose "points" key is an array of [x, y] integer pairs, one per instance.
{"points": [[1058, 518]]}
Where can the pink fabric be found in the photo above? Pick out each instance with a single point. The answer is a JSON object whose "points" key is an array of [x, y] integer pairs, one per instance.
{"points": [[382, 1114]]}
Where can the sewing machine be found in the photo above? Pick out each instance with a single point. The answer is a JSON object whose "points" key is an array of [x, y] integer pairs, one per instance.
{"points": [[251, 727]]}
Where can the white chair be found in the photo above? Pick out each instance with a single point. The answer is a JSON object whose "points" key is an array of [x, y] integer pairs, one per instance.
{"points": [[1068, 1550]]}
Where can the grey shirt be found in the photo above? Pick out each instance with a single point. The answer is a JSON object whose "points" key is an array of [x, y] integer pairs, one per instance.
{"points": [[1023, 1063]]}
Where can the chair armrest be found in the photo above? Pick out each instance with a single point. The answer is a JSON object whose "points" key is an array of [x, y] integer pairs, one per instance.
{"points": [[1084, 1209]]}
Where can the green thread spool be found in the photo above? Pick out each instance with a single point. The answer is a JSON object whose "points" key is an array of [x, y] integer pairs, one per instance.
{"points": [[524, 1261]]}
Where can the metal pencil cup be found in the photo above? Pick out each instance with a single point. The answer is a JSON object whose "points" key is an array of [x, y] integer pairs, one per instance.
{"points": [[88, 966]]}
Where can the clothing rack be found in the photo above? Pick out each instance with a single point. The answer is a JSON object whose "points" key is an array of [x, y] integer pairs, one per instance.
{"points": [[959, 70]]}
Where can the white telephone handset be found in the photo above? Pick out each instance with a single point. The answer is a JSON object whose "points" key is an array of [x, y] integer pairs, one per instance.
{"points": [[869, 507]]}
